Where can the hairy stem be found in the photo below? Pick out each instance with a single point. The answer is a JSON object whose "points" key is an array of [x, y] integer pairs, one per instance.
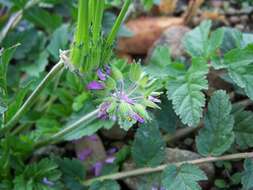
{"points": [[144, 171], [58, 136], [31, 99]]}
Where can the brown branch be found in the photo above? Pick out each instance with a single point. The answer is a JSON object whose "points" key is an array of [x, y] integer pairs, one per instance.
{"points": [[144, 171]]}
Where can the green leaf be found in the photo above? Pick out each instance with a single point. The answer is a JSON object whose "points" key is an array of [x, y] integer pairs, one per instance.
{"points": [[238, 62], [247, 175], [59, 41], [43, 18], [166, 116], [148, 147], [5, 57], [73, 172], [135, 72], [185, 177], [160, 64], [105, 185], [38, 66], [198, 43], [217, 135], [186, 94], [33, 175], [243, 128]]}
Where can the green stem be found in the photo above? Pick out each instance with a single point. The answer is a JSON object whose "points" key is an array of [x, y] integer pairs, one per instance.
{"points": [[80, 46], [31, 99], [144, 171], [58, 136], [111, 37]]}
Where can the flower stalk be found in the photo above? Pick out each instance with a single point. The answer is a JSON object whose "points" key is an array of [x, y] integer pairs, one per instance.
{"points": [[58, 136], [147, 170]]}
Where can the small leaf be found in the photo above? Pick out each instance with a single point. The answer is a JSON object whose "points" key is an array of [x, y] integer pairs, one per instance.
{"points": [[148, 147], [135, 72], [185, 177], [243, 128], [247, 175], [198, 43], [105, 185], [59, 41], [217, 135], [186, 94]]}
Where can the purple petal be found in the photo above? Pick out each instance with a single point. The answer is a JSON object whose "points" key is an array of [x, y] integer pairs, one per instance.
{"points": [[102, 114], [47, 182], [137, 117], [107, 70], [154, 188], [110, 160], [153, 99], [97, 168], [101, 75], [83, 155], [111, 151], [94, 85], [126, 98]]}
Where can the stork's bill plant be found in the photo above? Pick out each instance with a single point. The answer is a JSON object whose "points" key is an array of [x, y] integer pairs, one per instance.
{"points": [[110, 92]]}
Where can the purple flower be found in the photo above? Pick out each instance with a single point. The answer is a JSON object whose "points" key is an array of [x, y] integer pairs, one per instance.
{"points": [[153, 99], [83, 155], [102, 114], [126, 98], [110, 160], [107, 70], [101, 75], [97, 168], [111, 151], [137, 117], [94, 85], [47, 182]]}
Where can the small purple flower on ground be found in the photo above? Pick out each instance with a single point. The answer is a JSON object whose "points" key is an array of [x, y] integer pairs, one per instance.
{"points": [[47, 182], [111, 151], [97, 168], [110, 160], [101, 75], [83, 155], [136, 117], [94, 85]]}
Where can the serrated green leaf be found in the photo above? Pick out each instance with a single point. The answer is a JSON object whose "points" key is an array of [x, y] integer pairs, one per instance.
{"points": [[105, 185], [240, 68], [217, 135], [148, 147], [73, 173], [185, 177], [247, 175], [186, 94], [198, 43], [243, 128]]}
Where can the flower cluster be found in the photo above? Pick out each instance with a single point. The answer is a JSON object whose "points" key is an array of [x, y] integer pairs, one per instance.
{"points": [[125, 93]]}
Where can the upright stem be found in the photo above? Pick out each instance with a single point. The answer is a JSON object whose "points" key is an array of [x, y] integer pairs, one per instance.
{"points": [[118, 23], [144, 171], [58, 136], [80, 45], [30, 101]]}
